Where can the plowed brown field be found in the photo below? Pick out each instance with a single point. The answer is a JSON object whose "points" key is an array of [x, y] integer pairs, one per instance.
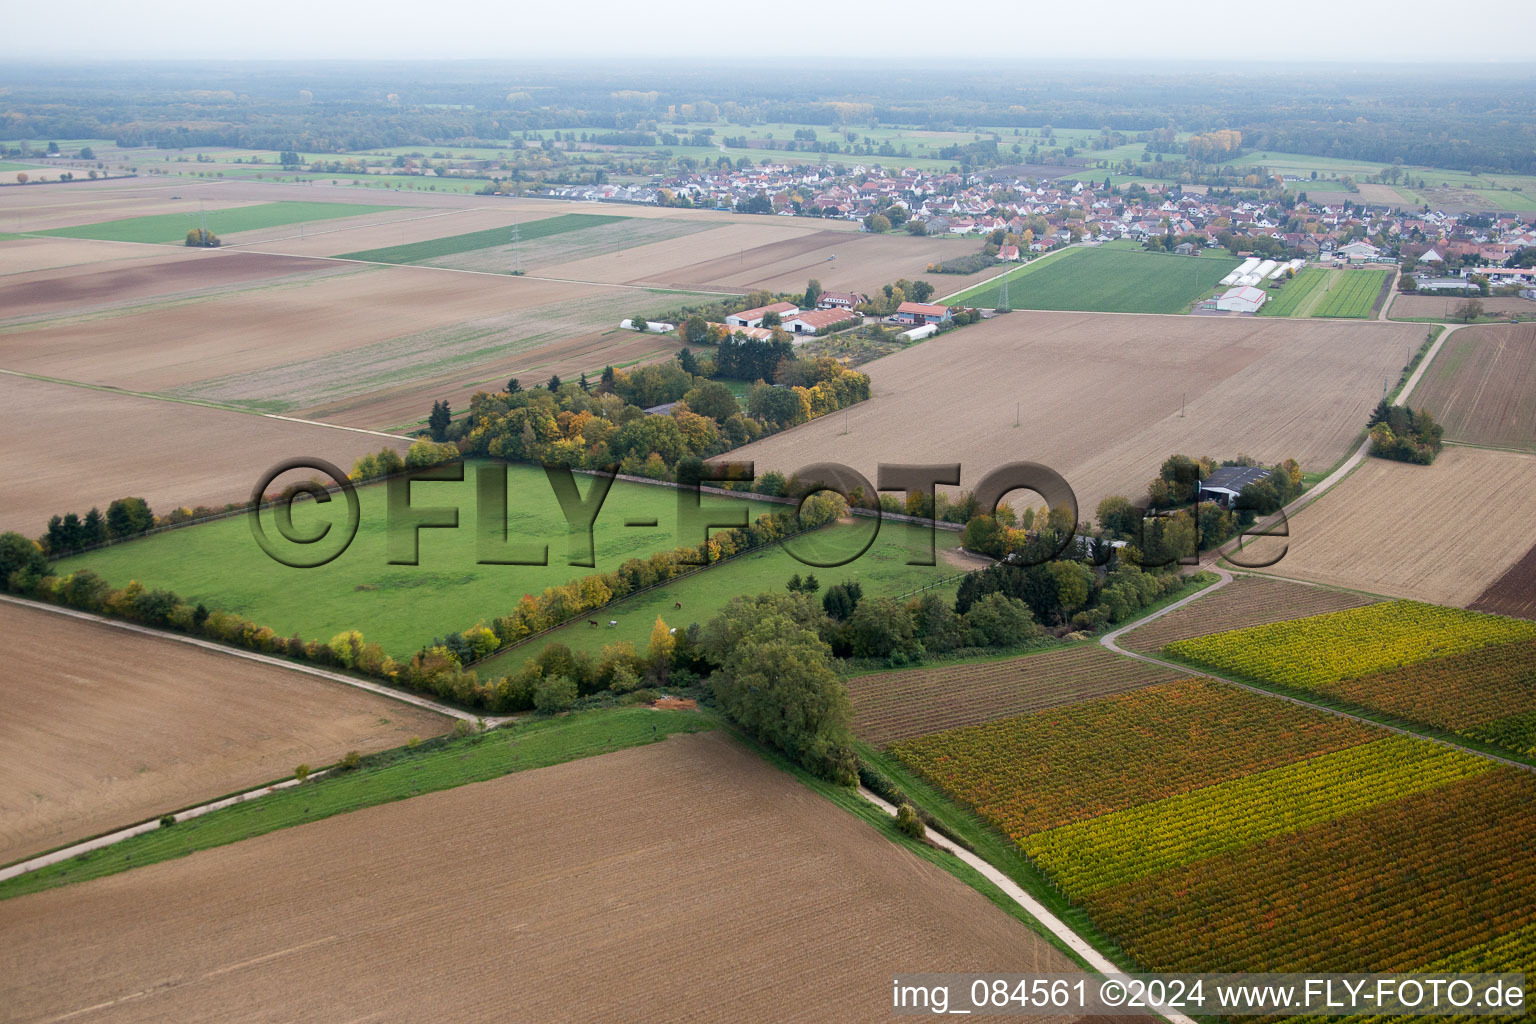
{"points": [[1482, 386], [1443, 307], [1438, 533], [1103, 399], [104, 728], [77, 447], [1246, 601], [1513, 593], [174, 274], [891, 706], [684, 880]]}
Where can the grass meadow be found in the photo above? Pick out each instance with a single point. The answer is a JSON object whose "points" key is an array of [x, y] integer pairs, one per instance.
{"points": [[172, 228], [882, 571], [400, 607], [450, 245], [1106, 280]]}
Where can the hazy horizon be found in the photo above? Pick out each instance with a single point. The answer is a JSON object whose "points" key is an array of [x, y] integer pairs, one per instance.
{"points": [[1176, 37]]}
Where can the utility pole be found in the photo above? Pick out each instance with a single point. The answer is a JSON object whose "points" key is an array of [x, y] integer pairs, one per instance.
{"points": [[1017, 406], [516, 269]]}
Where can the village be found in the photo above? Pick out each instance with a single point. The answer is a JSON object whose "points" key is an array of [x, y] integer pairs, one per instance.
{"points": [[1019, 217]]}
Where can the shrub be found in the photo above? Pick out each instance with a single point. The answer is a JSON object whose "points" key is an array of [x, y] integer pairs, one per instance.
{"points": [[350, 761], [301, 772], [909, 823], [167, 820], [554, 695]]}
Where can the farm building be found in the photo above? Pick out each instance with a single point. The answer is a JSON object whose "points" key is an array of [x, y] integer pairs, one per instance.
{"points": [[1244, 299], [840, 300], [921, 313], [754, 317], [818, 320], [1360, 252], [1503, 275], [654, 326], [755, 333], [1225, 484], [1008, 254], [1454, 285], [919, 333]]}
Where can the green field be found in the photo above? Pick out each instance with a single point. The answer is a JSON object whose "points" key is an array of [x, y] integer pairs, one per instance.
{"points": [[418, 252], [1105, 280], [1353, 294], [882, 571], [172, 228], [1299, 295], [399, 606], [1327, 292], [382, 778]]}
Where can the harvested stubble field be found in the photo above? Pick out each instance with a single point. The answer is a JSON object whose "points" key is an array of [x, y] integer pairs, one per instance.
{"points": [[101, 446], [32, 255], [891, 706], [63, 214], [1403, 530], [105, 728], [354, 917], [1482, 386], [1100, 397], [1513, 593], [535, 253], [1246, 601], [339, 333], [778, 254], [405, 227], [1443, 307], [448, 246]]}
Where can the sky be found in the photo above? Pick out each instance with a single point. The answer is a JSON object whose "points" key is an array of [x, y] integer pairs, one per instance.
{"points": [[1347, 31]]}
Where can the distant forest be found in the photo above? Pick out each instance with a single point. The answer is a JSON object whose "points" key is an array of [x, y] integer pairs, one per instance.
{"points": [[1479, 118]]}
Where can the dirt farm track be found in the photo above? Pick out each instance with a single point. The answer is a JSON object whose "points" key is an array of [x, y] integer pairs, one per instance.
{"points": [[685, 880], [104, 728]]}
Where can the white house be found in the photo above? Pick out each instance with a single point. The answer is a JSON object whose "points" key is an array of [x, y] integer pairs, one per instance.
{"points": [[754, 317], [818, 320], [1241, 300]]}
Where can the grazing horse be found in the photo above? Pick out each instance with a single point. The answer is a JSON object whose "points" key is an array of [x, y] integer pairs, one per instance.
{"points": [[677, 604], [591, 622], [613, 622]]}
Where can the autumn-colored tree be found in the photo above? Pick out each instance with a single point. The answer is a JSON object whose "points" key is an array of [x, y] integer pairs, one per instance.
{"points": [[662, 643]]}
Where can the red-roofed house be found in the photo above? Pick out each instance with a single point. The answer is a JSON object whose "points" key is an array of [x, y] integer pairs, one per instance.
{"points": [[921, 313]]}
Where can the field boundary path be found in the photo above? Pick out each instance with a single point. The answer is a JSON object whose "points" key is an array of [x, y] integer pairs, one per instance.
{"points": [[101, 842], [1031, 906], [419, 701]]}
